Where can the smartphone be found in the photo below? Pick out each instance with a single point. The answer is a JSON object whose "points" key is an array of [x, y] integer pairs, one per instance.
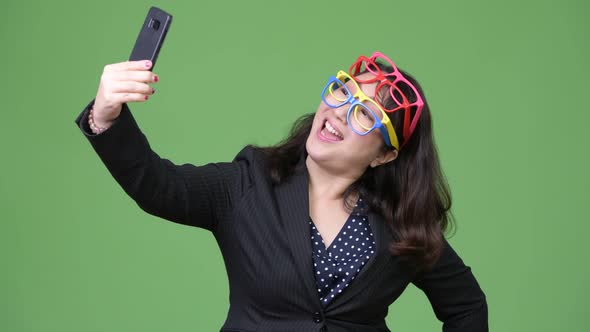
{"points": [[151, 36]]}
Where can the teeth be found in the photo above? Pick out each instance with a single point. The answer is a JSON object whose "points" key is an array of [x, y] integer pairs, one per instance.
{"points": [[332, 130]]}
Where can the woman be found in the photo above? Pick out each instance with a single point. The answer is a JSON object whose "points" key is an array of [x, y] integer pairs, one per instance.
{"points": [[323, 231]]}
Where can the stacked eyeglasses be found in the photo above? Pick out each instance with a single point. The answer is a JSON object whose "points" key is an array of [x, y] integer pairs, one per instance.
{"points": [[366, 114]]}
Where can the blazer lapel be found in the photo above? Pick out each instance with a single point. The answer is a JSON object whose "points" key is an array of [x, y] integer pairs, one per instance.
{"points": [[378, 261], [293, 202]]}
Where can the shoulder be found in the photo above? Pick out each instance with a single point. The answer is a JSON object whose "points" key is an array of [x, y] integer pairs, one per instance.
{"points": [[276, 164], [255, 162], [251, 155]]}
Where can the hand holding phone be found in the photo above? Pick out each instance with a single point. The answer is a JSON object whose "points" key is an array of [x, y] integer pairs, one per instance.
{"points": [[129, 81]]}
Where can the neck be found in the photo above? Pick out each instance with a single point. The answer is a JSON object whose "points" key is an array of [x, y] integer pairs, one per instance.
{"points": [[326, 185]]}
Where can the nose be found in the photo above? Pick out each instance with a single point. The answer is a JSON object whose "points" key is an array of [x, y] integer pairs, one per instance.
{"points": [[341, 112]]}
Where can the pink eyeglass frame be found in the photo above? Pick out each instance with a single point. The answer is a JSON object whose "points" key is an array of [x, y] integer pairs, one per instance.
{"points": [[371, 66]]}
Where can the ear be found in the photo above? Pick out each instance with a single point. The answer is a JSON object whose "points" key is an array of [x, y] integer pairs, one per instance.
{"points": [[384, 157]]}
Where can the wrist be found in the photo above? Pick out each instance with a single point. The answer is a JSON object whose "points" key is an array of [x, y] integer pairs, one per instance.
{"points": [[96, 125]]}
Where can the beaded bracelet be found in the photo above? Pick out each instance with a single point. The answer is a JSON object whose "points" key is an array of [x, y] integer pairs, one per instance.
{"points": [[95, 129]]}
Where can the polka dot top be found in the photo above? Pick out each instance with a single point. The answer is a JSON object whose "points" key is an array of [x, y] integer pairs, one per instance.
{"points": [[335, 267]]}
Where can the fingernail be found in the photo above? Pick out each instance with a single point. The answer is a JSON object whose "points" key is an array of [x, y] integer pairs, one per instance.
{"points": [[146, 97], [153, 91], [148, 64], [156, 78]]}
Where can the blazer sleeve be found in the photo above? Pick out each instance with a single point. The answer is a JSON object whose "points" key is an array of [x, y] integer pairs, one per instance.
{"points": [[192, 195], [454, 293]]}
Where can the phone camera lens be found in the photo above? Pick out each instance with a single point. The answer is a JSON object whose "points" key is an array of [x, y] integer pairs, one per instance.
{"points": [[155, 24]]}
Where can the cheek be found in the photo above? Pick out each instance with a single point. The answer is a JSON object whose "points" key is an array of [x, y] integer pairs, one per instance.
{"points": [[377, 144], [318, 113], [315, 119], [374, 140], [369, 145]]}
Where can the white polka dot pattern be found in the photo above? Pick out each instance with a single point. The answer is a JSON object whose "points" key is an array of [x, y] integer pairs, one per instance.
{"points": [[336, 266]]}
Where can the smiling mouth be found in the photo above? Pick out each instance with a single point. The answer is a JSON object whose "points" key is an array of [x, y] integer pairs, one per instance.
{"points": [[330, 133]]}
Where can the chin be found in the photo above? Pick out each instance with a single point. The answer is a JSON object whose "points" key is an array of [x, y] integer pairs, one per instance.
{"points": [[320, 153], [314, 151]]}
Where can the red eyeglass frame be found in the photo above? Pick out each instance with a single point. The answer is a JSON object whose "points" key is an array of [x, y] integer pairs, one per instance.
{"points": [[378, 76]]}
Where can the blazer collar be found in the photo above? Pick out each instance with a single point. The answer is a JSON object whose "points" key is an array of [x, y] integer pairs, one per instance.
{"points": [[372, 268], [293, 203]]}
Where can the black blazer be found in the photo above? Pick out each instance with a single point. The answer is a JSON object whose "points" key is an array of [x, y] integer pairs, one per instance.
{"points": [[263, 234]]}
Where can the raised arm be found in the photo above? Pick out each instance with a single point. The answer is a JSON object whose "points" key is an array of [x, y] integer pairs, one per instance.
{"points": [[199, 196], [454, 293]]}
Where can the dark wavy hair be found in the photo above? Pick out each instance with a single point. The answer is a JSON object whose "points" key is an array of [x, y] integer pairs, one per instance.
{"points": [[411, 192]]}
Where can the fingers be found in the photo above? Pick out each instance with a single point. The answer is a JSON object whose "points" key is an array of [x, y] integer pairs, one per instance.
{"points": [[128, 65], [120, 98], [121, 83], [138, 76], [131, 87]]}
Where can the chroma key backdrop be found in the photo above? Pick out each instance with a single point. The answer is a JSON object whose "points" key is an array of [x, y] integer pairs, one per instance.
{"points": [[507, 85]]}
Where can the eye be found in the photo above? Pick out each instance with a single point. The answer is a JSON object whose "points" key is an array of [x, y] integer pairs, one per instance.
{"points": [[364, 112]]}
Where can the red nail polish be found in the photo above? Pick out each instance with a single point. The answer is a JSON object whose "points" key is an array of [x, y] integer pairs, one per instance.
{"points": [[146, 97], [156, 78]]}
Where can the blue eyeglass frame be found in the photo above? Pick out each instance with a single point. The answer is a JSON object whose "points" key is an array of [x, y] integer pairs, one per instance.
{"points": [[353, 102]]}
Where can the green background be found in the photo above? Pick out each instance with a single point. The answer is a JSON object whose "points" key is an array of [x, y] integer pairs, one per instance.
{"points": [[506, 82]]}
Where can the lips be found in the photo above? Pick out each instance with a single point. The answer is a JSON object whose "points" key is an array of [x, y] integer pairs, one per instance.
{"points": [[329, 133]]}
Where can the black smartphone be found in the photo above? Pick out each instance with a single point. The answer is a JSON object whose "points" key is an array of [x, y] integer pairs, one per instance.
{"points": [[151, 36]]}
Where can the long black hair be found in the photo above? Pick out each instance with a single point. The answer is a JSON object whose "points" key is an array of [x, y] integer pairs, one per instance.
{"points": [[411, 192]]}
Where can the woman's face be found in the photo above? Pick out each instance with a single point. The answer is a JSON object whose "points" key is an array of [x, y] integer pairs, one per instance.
{"points": [[345, 152]]}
